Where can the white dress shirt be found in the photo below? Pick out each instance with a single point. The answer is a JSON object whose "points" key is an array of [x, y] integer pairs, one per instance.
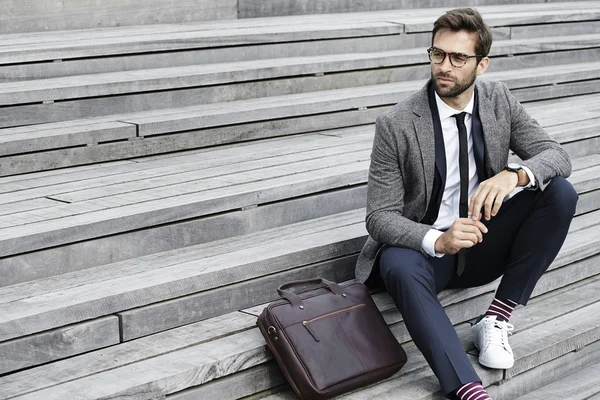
{"points": [[448, 212]]}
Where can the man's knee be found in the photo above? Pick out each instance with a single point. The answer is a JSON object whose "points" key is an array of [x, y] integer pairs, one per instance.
{"points": [[400, 265], [562, 197]]}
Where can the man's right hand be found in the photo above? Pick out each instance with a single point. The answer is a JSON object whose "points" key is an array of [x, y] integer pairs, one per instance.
{"points": [[464, 233]]}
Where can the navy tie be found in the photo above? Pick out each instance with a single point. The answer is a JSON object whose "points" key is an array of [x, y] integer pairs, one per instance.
{"points": [[463, 164]]}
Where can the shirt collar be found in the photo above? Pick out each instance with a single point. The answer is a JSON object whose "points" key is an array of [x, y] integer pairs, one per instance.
{"points": [[445, 111]]}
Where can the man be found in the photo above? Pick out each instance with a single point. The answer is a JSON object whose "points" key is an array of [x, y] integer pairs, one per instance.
{"points": [[446, 209]]}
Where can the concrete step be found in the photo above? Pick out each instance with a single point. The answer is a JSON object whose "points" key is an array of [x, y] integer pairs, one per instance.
{"points": [[143, 47], [226, 357]]}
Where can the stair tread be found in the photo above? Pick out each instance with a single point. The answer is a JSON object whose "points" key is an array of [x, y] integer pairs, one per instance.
{"points": [[182, 350], [579, 386], [170, 78], [94, 42]]}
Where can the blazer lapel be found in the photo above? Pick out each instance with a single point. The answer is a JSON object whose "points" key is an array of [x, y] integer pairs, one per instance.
{"points": [[425, 135], [494, 159]]}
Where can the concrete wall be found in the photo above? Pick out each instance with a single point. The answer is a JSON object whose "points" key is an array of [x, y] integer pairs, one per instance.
{"points": [[50, 15]]}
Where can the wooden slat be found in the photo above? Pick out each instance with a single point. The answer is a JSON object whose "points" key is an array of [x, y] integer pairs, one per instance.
{"points": [[31, 16], [95, 362], [212, 157], [56, 138], [579, 386], [58, 343], [84, 255], [153, 285], [220, 162], [149, 213], [147, 191], [124, 82]]}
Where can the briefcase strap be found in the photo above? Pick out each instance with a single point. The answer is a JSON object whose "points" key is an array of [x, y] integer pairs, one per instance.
{"points": [[295, 300]]}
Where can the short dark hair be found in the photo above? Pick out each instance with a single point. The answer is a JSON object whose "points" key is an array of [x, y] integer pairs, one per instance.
{"points": [[466, 19]]}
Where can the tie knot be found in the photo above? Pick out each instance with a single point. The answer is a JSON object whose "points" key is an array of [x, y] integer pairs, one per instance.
{"points": [[460, 118]]}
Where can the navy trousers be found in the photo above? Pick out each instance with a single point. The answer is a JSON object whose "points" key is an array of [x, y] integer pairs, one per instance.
{"points": [[521, 243]]}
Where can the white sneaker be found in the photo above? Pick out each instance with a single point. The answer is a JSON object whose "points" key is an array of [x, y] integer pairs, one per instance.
{"points": [[491, 338]]}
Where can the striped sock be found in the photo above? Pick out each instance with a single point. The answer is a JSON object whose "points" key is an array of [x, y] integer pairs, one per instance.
{"points": [[501, 309], [472, 391]]}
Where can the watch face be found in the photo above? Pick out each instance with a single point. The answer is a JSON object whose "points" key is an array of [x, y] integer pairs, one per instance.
{"points": [[514, 166]]}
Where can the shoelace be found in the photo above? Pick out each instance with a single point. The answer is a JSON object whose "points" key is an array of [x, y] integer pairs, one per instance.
{"points": [[505, 330]]}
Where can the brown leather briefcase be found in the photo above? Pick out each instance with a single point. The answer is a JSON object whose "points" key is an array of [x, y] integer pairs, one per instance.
{"points": [[330, 340]]}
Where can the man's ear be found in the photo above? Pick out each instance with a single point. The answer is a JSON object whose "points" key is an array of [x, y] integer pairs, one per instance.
{"points": [[483, 65]]}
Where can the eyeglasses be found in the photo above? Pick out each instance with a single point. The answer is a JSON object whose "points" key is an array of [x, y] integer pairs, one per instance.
{"points": [[458, 60]]}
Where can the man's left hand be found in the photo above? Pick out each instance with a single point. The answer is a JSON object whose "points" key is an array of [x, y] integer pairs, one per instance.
{"points": [[491, 193]]}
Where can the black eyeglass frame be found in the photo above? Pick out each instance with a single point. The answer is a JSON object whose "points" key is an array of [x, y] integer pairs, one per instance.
{"points": [[449, 55]]}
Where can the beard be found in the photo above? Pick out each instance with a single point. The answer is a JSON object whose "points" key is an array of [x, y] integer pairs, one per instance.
{"points": [[452, 90]]}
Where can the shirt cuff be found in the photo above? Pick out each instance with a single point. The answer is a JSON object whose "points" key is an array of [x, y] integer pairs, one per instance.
{"points": [[428, 243], [531, 183], [519, 189]]}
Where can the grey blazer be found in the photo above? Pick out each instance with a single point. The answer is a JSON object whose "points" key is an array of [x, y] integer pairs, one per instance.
{"points": [[403, 164]]}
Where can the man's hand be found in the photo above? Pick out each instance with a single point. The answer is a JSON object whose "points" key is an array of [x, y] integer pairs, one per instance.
{"points": [[464, 233], [491, 193]]}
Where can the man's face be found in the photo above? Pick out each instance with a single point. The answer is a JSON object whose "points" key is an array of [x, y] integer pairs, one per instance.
{"points": [[450, 81]]}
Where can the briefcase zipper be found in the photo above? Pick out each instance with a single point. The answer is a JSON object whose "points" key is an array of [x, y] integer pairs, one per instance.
{"points": [[312, 333]]}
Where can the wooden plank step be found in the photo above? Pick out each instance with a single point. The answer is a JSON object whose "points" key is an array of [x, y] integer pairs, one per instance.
{"points": [[31, 17], [139, 81], [170, 379], [79, 44], [208, 164], [309, 117], [82, 213], [47, 296], [579, 386], [203, 271], [254, 8], [188, 118], [194, 92], [86, 220]]}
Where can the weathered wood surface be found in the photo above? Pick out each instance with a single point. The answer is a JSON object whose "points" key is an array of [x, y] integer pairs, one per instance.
{"points": [[54, 138], [33, 16], [83, 255], [235, 386], [52, 183], [189, 255], [190, 39], [124, 82], [591, 219], [115, 216], [129, 291], [581, 385], [57, 344], [579, 245], [173, 313], [125, 40], [256, 8], [32, 380], [571, 365], [573, 28], [552, 339], [537, 309]]}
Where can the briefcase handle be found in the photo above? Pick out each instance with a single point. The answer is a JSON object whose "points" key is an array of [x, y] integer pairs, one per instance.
{"points": [[295, 300]]}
